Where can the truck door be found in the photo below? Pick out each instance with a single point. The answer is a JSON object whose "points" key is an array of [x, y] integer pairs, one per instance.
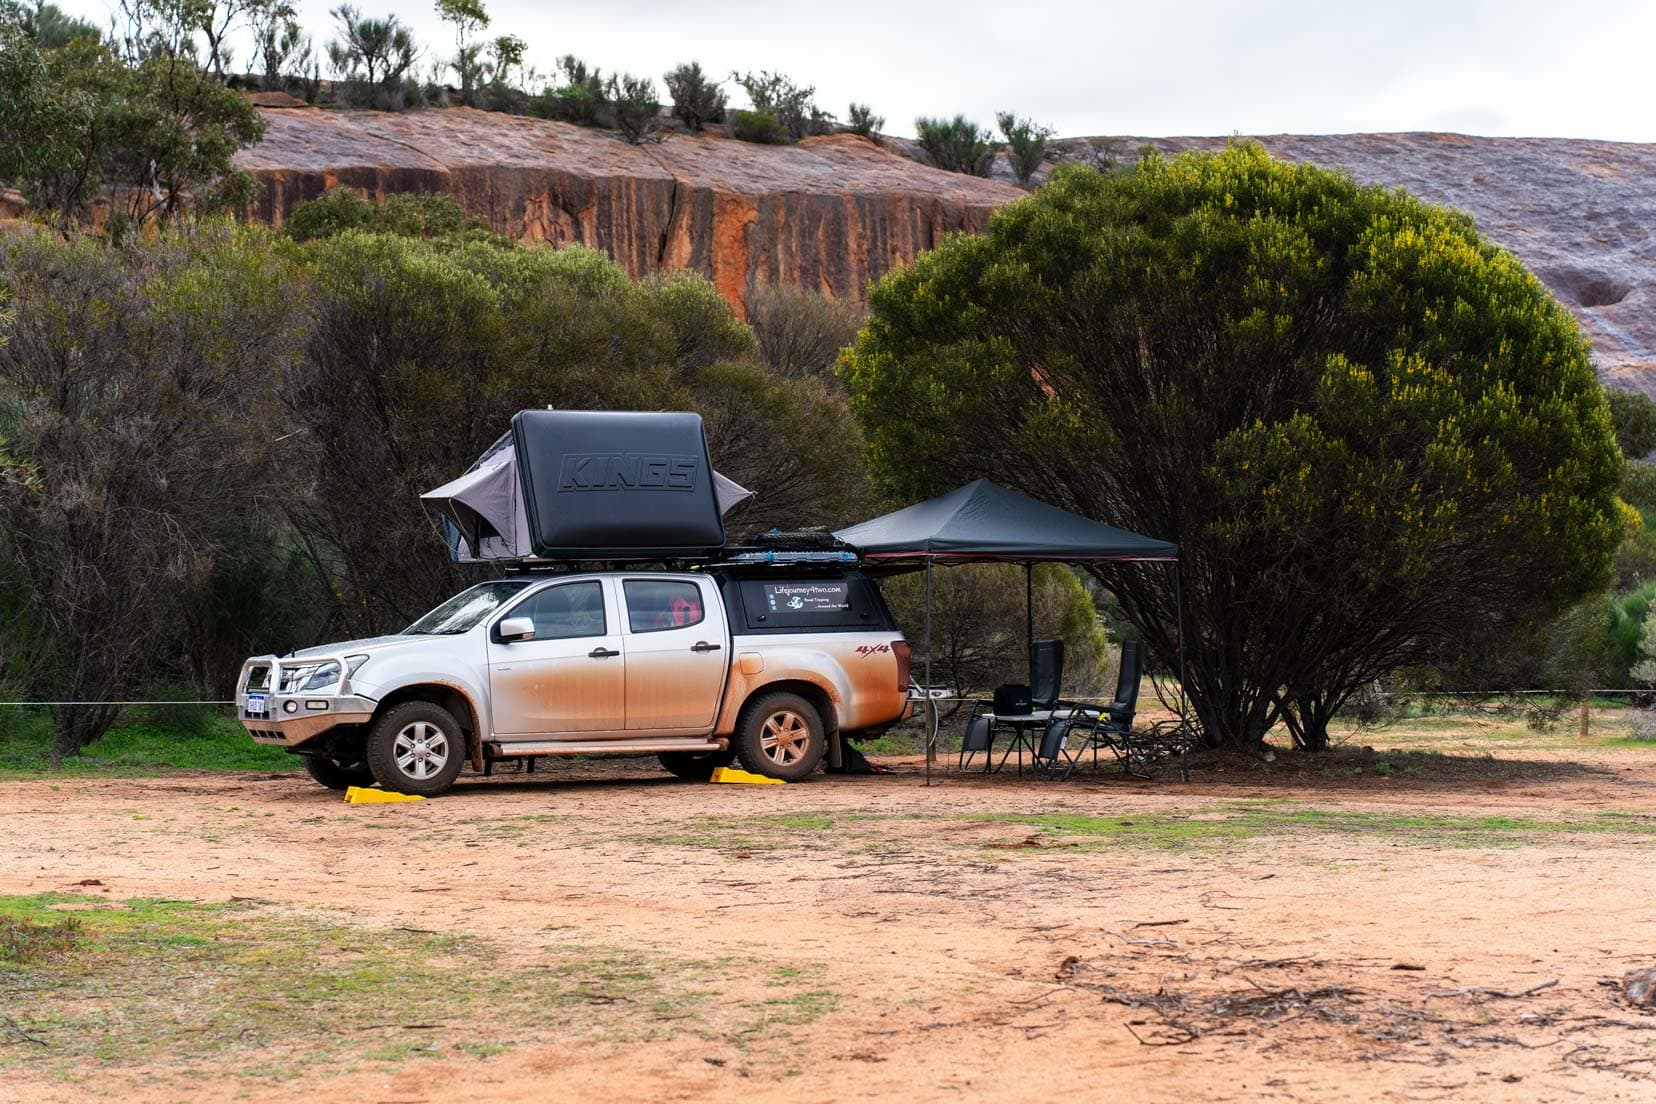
{"points": [[569, 677], [677, 651]]}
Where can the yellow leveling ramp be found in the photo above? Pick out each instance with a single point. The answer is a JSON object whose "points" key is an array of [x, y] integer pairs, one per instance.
{"points": [[731, 774], [361, 795]]}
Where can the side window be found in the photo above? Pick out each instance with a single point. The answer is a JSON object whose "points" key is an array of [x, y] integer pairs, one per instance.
{"points": [[654, 605], [569, 610]]}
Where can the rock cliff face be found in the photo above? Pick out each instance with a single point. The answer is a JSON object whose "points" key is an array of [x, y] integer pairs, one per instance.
{"points": [[833, 213], [830, 214]]}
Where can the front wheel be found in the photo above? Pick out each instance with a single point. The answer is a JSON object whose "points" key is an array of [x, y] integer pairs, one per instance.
{"points": [[780, 735], [695, 766], [336, 775], [416, 748]]}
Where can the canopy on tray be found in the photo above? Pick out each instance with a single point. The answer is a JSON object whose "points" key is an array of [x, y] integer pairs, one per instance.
{"points": [[982, 521], [581, 484]]}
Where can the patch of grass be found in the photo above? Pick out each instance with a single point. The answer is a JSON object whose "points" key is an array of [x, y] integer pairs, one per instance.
{"points": [[138, 749], [766, 832], [24, 941], [1254, 819], [221, 986], [1151, 830], [188, 990]]}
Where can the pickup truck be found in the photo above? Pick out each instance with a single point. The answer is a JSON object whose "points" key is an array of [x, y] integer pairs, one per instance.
{"points": [[757, 664]]}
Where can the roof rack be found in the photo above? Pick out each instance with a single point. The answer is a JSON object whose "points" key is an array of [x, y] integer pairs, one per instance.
{"points": [[787, 556]]}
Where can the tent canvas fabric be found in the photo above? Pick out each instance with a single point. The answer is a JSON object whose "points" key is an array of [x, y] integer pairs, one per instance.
{"points": [[982, 521], [482, 513]]}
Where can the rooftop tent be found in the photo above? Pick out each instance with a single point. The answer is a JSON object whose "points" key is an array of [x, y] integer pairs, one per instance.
{"points": [[588, 484], [982, 521]]}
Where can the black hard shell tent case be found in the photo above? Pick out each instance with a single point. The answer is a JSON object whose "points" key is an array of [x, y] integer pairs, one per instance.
{"points": [[616, 483]]}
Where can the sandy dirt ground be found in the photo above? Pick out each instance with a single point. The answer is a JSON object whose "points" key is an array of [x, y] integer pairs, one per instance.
{"points": [[974, 948]]}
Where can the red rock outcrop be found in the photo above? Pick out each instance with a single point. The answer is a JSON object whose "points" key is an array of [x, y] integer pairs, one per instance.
{"points": [[833, 213], [829, 214]]}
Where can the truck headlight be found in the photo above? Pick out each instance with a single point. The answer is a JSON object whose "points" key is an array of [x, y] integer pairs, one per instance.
{"points": [[324, 676]]}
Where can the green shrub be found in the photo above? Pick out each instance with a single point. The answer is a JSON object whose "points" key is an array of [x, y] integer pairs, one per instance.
{"points": [[407, 214], [956, 145], [801, 333], [697, 100], [1634, 416], [790, 104], [1026, 144], [182, 712], [373, 59], [634, 106], [977, 627], [582, 99], [759, 126], [865, 122]]}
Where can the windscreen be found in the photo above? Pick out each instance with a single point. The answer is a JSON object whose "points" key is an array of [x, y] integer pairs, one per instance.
{"points": [[466, 610]]}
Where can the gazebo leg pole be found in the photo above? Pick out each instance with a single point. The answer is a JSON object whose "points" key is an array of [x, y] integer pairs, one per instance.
{"points": [[931, 727], [1029, 618], [1178, 608]]}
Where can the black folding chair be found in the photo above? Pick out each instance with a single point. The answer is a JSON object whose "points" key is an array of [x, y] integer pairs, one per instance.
{"points": [[1046, 664], [1094, 727], [978, 739]]}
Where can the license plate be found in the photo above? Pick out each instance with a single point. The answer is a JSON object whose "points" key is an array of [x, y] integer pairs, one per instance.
{"points": [[255, 703]]}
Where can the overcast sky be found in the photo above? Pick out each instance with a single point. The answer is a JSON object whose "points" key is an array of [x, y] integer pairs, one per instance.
{"points": [[1513, 67]]}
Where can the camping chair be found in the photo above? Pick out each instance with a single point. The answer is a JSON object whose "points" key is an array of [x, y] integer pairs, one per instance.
{"points": [[1046, 668], [1114, 726], [979, 738], [988, 717], [1109, 726]]}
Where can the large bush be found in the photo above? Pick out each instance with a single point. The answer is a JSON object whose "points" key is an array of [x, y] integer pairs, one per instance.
{"points": [[141, 431], [156, 131], [422, 351], [801, 333], [1374, 436]]}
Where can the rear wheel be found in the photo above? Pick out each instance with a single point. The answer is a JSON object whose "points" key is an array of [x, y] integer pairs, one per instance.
{"points": [[780, 735], [416, 748], [695, 766], [336, 775]]}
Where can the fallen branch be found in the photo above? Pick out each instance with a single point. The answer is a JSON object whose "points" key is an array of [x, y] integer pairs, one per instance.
{"points": [[1144, 942], [1478, 991], [22, 1036]]}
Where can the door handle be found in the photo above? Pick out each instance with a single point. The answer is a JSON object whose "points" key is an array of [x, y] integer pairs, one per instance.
{"points": [[602, 652], [704, 646]]}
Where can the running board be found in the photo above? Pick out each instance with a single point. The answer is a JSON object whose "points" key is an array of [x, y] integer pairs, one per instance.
{"points": [[497, 750]]}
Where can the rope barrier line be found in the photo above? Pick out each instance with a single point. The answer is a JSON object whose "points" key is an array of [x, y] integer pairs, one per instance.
{"points": [[946, 697], [31, 704]]}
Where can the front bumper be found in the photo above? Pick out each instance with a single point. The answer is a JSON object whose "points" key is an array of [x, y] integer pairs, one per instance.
{"points": [[296, 718]]}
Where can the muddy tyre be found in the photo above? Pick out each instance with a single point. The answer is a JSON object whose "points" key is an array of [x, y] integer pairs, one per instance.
{"points": [[780, 735], [336, 775], [416, 748], [695, 766]]}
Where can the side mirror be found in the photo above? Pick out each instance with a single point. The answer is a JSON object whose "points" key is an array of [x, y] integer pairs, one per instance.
{"points": [[516, 628]]}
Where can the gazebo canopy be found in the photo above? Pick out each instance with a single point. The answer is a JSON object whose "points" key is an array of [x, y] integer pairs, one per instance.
{"points": [[983, 522]]}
